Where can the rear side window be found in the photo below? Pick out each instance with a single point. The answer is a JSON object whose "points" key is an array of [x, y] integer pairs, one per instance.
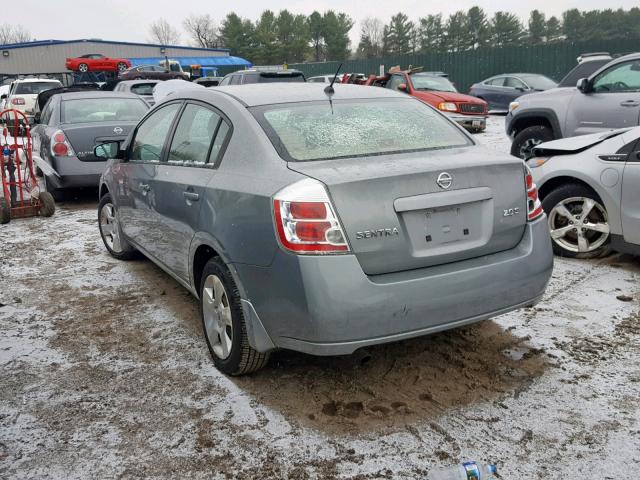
{"points": [[34, 88], [356, 128], [495, 82], [152, 134], [194, 135], [582, 70], [274, 77]]}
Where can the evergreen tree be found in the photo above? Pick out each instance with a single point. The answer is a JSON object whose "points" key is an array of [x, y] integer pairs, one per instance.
{"points": [[506, 29], [572, 25], [553, 29], [292, 34], [236, 34], [317, 31], [478, 26], [399, 34], [431, 34], [537, 27], [336, 35], [266, 47], [457, 36]]}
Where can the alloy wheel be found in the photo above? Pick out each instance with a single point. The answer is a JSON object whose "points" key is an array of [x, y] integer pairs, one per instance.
{"points": [[579, 224], [216, 311], [526, 149], [110, 228]]}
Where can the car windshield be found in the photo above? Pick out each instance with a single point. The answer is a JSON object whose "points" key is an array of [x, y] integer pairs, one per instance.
{"points": [[539, 82], [34, 88], [431, 82], [88, 110], [356, 128]]}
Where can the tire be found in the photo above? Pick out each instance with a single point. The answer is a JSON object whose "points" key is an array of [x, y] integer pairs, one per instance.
{"points": [[83, 68], [47, 204], [110, 231], [528, 138], [223, 322], [567, 228], [121, 67], [5, 211]]}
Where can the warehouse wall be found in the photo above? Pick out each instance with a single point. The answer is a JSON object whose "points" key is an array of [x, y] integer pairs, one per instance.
{"points": [[51, 58]]}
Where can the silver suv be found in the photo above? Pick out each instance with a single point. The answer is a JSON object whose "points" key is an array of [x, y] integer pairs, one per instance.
{"points": [[610, 98]]}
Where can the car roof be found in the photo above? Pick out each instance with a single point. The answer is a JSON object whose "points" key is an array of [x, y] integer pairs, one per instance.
{"points": [[95, 94], [135, 82], [273, 93], [31, 80]]}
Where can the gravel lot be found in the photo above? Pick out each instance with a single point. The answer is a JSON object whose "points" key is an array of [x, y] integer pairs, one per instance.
{"points": [[104, 373]]}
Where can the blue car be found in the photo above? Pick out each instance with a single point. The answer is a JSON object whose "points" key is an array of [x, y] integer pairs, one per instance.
{"points": [[500, 90]]}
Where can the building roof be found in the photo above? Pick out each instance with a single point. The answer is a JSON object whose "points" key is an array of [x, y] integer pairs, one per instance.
{"points": [[228, 60], [42, 43]]}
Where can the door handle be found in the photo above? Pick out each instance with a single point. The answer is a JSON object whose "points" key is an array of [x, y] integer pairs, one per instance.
{"points": [[630, 103], [191, 196]]}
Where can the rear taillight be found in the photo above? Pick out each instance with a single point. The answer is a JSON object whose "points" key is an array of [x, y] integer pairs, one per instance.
{"points": [[534, 207], [17, 101], [60, 146], [306, 221]]}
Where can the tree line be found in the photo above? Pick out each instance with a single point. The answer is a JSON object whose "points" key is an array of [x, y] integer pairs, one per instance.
{"points": [[292, 38]]}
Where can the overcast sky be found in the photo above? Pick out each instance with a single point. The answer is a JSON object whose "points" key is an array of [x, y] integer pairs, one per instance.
{"points": [[128, 20]]}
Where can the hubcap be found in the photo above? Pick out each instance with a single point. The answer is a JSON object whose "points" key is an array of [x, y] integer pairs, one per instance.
{"points": [[216, 311], [110, 228], [526, 149], [83, 68], [579, 224]]}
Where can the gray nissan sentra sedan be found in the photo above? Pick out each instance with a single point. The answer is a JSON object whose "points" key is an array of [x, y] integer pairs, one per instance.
{"points": [[323, 223]]}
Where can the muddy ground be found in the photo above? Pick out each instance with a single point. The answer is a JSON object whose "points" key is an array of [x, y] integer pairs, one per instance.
{"points": [[104, 373]]}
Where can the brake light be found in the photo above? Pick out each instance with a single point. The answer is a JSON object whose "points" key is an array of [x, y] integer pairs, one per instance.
{"points": [[60, 146], [534, 207], [305, 219], [17, 101]]}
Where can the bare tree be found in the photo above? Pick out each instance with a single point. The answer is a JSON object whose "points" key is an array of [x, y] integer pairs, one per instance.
{"points": [[13, 34], [202, 29], [163, 33]]}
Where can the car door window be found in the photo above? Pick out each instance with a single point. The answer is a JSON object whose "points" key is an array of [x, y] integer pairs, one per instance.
{"points": [[513, 82], [496, 82], [152, 133], [395, 81], [235, 80], [192, 140], [624, 77], [45, 116]]}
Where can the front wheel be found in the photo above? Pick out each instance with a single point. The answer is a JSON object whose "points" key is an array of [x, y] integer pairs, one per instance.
{"points": [[111, 232], [525, 141], [121, 67], [578, 222], [83, 68], [47, 205], [224, 324]]}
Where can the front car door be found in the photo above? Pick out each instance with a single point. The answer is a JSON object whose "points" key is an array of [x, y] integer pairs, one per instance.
{"points": [[179, 185], [630, 203], [613, 101]]}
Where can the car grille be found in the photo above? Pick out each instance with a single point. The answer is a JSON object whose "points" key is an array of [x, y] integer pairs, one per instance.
{"points": [[471, 108]]}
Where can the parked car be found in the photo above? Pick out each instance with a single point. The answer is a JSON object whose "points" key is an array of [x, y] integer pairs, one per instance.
{"points": [[321, 228], [339, 78], [69, 125], [608, 99], [500, 90], [208, 81], [144, 88], [242, 77], [94, 62], [4, 93], [151, 72], [589, 189], [588, 63], [438, 91], [23, 93]]}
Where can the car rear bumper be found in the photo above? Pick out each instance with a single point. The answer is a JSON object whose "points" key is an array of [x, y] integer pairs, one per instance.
{"points": [[74, 173], [328, 306]]}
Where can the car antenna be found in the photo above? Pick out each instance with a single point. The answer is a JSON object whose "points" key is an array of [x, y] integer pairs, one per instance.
{"points": [[329, 88]]}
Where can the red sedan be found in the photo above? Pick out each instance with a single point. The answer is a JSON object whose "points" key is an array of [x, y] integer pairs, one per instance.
{"points": [[94, 62]]}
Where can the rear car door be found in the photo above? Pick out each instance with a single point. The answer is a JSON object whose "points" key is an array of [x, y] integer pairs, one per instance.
{"points": [[179, 185], [630, 203], [612, 102], [133, 193], [493, 91]]}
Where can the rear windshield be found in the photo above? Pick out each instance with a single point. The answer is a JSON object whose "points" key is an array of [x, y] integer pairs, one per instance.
{"points": [[356, 128], [34, 88], [582, 70], [274, 77], [87, 110], [143, 88]]}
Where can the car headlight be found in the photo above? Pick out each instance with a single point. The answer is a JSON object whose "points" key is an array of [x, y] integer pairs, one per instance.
{"points": [[448, 107], [513, 106], [536, 162]]}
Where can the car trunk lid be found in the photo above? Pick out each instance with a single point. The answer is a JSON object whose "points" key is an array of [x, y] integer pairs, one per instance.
{"points": [[83, 137], [409, 211]]}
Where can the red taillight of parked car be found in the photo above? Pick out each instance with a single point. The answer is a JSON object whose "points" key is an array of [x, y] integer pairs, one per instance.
{"points": [[60, 147], [17, 101], [534, 207], [305, 220]]}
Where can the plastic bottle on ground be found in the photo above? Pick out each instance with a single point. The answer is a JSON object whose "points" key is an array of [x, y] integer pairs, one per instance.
{"points": [[464, 471]]}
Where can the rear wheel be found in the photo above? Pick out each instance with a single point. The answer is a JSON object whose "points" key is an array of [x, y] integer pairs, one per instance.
{"points": [[122, 66], [224, 324], [578, 222], [527, 139], [111, 232], [83, 67], [47, 204], [5, 211]]}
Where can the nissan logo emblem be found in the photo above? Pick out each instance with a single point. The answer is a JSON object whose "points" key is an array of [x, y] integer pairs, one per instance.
{"points": [[118, 131], [444, 180]]}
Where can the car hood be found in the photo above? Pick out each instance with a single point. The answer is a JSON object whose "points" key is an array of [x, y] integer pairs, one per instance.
{"points": [[576, 144], [446, 96]]}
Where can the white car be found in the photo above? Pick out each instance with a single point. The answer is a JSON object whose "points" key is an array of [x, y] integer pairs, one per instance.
{"points": [[589, 189], [23, 93]]}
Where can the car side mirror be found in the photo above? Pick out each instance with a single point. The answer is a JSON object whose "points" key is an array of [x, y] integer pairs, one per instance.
{"points": [[583, 85], [402, 87], [107, 150]]}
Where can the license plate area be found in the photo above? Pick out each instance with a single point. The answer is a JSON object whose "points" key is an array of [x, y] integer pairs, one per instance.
{"points": [[476, 123], [445, 225]]}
